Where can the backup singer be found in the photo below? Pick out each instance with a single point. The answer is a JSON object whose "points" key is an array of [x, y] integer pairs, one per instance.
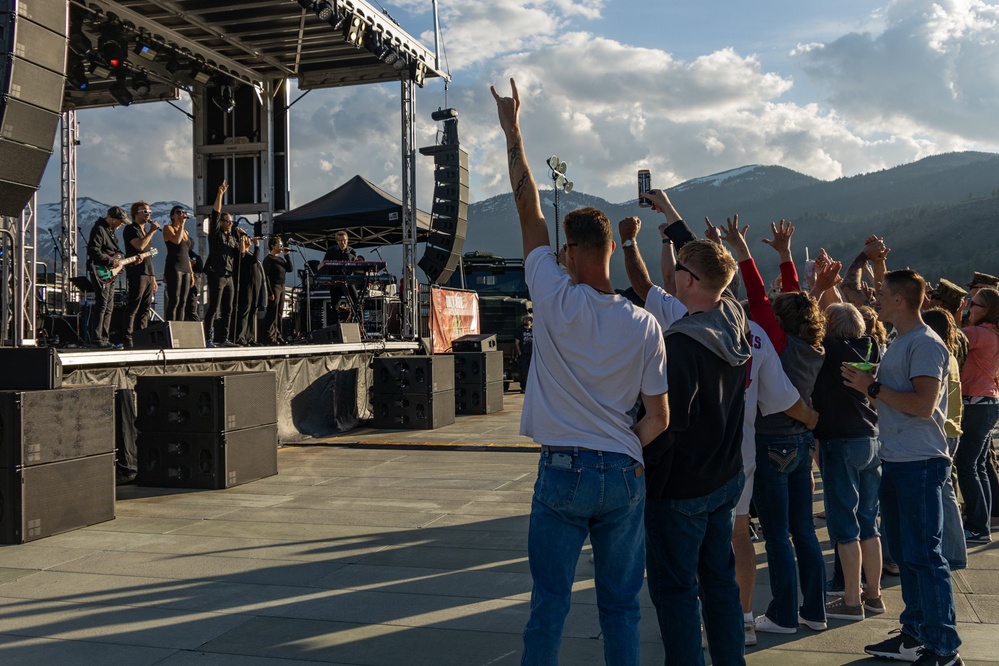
{"points": [[276, 268], [141, 275], [177, 272], [223, 253]]}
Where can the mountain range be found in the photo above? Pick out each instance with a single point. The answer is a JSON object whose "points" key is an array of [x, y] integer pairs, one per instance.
{"points": [[939, 215]]}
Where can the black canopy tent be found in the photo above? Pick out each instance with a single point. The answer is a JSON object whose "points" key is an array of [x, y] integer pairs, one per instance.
{"points": [[371, 217]]}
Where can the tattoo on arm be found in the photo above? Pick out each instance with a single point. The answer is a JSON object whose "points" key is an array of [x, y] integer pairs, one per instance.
{"points": [[525, 178]]}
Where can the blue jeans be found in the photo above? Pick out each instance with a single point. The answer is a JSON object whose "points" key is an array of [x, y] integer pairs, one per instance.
{"points": [[912, 504], [578, 493], [953, 546], [783, 497], [969, 460], [690, 562], [851, 474]]}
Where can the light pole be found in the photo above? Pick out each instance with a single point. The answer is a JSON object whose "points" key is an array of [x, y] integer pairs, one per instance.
{"points": [[558, 168]]}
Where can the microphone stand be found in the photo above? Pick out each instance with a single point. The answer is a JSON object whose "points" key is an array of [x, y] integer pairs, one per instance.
{"points": [[307, 280]]}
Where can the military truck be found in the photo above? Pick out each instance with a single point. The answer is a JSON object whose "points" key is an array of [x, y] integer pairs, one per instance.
{"points": [[503, 300]]}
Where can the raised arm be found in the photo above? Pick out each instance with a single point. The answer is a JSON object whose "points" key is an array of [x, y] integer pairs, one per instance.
{"points": [[217, 206], [533, 229], [756, 291], [781, 243], [634, 265], [826, 280], [667, 260]]}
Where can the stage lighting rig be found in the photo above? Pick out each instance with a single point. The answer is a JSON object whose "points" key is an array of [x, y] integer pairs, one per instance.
{"points": [[354, 32], [98, 69], [77, 75], [199, 73], [113, 44], [224, 98], [558, 168], [146, 49], [307, 4], [140, 84], [120, 92], [324, 10], [418, 72]]}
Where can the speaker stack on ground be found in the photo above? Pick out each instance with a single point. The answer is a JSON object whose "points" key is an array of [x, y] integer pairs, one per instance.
{"points": [[206, 430], [449, 212], [57, 460], [413, 392], [478, 381], [32, 74]]}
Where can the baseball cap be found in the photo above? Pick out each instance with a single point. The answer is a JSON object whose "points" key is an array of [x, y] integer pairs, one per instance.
{"points": [[117, 213]]}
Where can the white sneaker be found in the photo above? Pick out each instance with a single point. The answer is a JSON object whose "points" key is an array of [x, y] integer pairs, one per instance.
{"points": [[768, 626], [814, 626], [750, 630]]}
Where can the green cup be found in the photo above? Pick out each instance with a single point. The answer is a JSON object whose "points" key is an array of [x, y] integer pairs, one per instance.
{"points": [[863, 366]]}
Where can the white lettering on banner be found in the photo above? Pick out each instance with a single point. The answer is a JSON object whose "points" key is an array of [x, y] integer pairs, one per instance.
{"points": [[457, 304]]}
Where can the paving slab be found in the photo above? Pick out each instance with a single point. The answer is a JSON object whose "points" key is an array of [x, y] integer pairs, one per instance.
{"points": [[34, 651]]}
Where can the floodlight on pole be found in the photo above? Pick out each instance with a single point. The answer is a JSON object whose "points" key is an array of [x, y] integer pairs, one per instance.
{"points": [[558, 168]]}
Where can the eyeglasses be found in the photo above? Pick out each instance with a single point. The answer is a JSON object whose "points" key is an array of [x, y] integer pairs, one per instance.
{"points": [[681, 267], [146, 212]]}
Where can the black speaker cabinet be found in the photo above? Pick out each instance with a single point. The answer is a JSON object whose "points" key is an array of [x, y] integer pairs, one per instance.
{"points": [[438, 263], [413, 374], [205, 402], [413, 411], [337, 334], [43, 500], [29, 368], [478, 399], [479, 368], [38, 427], [207, 460], [170, 335], [475, 342]]}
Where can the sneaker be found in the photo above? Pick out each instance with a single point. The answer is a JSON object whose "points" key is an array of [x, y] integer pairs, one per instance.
{"points": [[766, 625], [979, 537], [874, 606], [928, 657], [838, 609], [813, 625], [228, 343], [901, 647], [704, 639], [749, 628], [834, 591]]}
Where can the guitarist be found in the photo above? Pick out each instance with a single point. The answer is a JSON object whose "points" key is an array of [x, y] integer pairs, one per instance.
{"points": [[141, 275], [103, 250]]}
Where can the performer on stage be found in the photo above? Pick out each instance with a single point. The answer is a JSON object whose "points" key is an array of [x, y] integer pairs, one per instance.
{"points": [[250, 289], [275, 269], [141, 275], [223, 252], [192, 309], [103, 250], [341, 251], [177, 272]]}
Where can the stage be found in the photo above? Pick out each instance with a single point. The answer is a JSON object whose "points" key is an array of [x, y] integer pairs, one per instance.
{"points": [[322, 389]]}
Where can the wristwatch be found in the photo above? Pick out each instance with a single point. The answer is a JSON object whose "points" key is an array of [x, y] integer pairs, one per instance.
{"points": [[628, 243], [873, 389]]}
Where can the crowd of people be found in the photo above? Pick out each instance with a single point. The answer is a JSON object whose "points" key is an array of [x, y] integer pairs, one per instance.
{"points": [[240, 285], [662, 423]]}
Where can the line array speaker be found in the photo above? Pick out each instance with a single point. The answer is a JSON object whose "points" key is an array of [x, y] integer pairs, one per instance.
{"points": [[32, 75], [209, 460], [171, 335], [206, 402], [449, 213], [43, 500], [38, 427], [413, 374]]}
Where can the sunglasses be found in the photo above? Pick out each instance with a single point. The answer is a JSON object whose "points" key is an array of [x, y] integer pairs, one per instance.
{"points": [[681, 267], [146, 212]]}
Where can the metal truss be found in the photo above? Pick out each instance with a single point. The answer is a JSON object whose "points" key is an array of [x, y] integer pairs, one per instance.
{"points": [[17, 235], [409, 285]]}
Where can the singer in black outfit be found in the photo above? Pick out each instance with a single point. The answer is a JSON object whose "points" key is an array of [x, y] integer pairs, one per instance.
{"points": [[192, 309], [177, 272], [141, 275], [223, 253], [251, 289], [276, 267], [103, 250]]}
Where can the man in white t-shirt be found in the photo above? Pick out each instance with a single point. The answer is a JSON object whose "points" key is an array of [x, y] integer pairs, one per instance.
{"points": [[595, 354]]}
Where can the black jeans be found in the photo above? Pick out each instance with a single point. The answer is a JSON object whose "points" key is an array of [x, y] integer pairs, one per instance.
{"points": [[192, 307], [275, 308], [140, 298], [178, 286], [220, 297], [100, 313]]}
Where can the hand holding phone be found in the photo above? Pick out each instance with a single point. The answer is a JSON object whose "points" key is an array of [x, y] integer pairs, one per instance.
{"points": [[644, 185]]}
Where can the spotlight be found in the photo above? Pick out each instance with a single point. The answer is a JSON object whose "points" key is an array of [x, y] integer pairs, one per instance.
{"points": [[98, 69], [400, 63], [354, 32], [418, 72], [80, 44], [113, 45], [324, 10], [120, 93], [140, 84], [306, 4], [199, 74], [146, 50], [224, 99], [77, 75], [339, 19], [173, 64]]}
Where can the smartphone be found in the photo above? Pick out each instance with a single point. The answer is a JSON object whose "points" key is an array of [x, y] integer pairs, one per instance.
{"points": [[644, 185]]}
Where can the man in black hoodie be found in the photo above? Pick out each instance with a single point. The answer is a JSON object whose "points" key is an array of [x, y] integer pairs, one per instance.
{"points": [[695, 468]]}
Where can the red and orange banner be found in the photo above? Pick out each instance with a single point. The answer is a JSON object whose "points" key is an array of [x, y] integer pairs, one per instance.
{"points": [[453, 313]]}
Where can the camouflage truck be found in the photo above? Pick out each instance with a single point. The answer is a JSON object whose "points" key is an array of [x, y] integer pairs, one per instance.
{"points": [[503, 300]]}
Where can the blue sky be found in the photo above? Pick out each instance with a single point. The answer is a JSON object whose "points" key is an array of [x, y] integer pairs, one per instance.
{"points": [[685, 89]]}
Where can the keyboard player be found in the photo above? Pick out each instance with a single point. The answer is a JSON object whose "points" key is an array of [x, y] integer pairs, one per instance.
{"points": [[342, 250]]}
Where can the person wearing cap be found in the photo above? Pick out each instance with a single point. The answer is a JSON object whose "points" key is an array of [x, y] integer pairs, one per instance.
{"points": [[141, 275], [523, 346], [177, 271], [103, 250], [192, 309], [223, 253], [950, 297]]}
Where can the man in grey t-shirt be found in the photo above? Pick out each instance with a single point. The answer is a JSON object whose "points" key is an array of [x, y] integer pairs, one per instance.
{"points": [[911, 403]]}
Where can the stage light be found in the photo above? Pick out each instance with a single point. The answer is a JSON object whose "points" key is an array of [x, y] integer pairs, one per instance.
{"points": [[140, 84], [354, 32], [146, 50], [98, 69], [113, 45], [324, 10], [199, 74], [339, 20], [77, 75], [173, 64], [80, 44], [306, 4], [400, 63], [418, 72], [224, 99], [120, 93]]}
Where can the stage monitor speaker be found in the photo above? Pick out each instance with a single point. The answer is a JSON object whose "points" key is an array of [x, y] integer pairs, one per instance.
{"points": [[478, 399], [43, 500], [413, 411], [208, 460], [205, 402], [29, 368], [478, 368], [474, 342], [32, 75], [38, 427], [170, 335], [413, 374], [342, 333]]}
